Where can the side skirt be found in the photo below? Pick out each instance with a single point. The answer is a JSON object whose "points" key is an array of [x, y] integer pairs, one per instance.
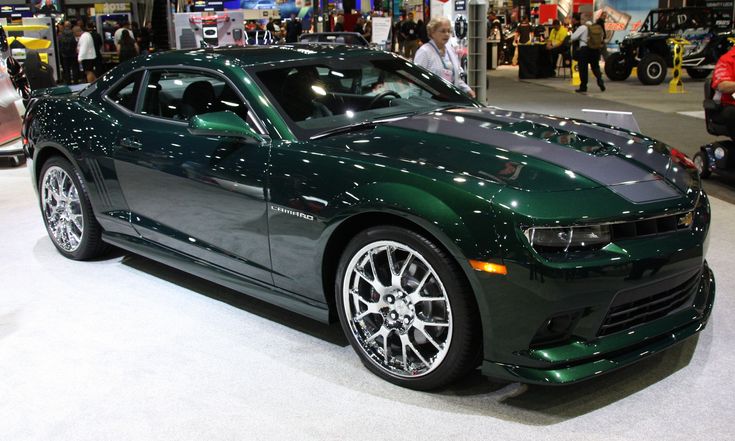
{"points": [[267, 293]]}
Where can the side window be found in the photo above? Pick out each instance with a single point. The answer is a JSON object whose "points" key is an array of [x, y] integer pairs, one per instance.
{"points": [[180, 95], [126, 92]]}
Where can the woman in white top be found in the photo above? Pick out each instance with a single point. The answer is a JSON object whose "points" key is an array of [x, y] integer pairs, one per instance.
{"points": [[438, 57]]}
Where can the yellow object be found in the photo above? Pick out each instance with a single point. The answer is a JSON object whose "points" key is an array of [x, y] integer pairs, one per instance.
{"points": [[14, 28], [575, 74], [44, 57], [31, 43], [488, 267], [557, 37], [676, 85]]}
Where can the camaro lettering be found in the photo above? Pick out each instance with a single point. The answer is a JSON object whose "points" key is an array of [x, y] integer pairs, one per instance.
{"points": [[292, 212]]}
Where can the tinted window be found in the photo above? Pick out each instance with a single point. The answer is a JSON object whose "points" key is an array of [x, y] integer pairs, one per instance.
{"points": [[126, 92], [333, 93], [180, 95]]}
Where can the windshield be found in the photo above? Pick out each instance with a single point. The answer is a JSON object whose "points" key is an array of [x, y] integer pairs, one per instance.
{"points": [[323, 95]]}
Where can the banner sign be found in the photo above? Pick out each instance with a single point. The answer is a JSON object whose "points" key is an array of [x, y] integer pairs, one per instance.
{"points": [[111, 8]]}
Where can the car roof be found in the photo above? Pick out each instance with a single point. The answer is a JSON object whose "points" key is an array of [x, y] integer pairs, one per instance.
{"points": [[255, 55]]}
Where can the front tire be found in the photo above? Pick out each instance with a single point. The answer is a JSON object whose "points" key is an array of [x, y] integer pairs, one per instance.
{"points": [[652, 70], [406, 308], [617, 68], [67, 212], [702, 163]]}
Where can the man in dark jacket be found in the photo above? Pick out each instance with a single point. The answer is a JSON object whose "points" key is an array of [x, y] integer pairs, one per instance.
{"points": [[410, 35], [293, 29], [68, 50]]}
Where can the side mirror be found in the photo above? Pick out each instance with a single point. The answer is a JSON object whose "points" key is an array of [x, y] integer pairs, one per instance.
{"points": [[222, 124]]}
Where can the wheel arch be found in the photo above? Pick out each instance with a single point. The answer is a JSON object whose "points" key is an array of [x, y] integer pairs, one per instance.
{"points": [[44, 153], [352, 225]]}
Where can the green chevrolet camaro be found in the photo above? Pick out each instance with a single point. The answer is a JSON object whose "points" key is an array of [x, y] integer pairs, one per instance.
{"points": [[349, 184]]}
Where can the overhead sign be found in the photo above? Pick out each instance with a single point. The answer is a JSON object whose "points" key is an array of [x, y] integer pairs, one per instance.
{"points": [[460, 5], [111, 8]]}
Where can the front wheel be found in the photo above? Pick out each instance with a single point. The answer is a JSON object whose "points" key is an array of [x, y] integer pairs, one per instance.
{"points": [[617, 68], [406, 308], [702, 164], [67, 212]]}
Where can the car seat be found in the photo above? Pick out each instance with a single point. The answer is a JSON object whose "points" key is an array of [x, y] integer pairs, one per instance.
{"points": [[198, 98]]}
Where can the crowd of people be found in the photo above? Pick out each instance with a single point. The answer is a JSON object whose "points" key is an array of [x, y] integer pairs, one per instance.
{"points": [[81, 45]]}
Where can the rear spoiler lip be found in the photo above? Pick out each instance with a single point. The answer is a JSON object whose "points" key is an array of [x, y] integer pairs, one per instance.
{"points": [[58, 90]]}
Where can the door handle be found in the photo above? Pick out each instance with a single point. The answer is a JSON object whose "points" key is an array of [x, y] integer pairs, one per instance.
{"points": [[129, 143]]}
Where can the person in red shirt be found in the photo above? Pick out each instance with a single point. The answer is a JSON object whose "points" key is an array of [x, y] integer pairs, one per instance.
{"points": [[723, 82]]}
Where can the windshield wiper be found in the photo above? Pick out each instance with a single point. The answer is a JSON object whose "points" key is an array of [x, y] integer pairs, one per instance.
{"points": [[363, 125]]}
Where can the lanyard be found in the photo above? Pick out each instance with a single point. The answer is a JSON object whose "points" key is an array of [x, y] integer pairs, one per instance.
{"points": [[436, 49]]}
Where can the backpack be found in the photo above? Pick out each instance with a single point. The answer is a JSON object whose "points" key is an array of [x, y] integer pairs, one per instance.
{"points": [[595, 36]]}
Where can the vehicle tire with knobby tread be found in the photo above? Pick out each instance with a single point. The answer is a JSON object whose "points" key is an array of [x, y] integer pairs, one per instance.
{"points": [[702, 163], [617, 68], [67, 212], [698, 74], [652, 70], [407, 308]]}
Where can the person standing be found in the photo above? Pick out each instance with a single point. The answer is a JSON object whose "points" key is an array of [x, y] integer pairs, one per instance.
{"points": [[439, 58], [97, 38], [410, 37], [590, 39], [339, 23], [85, 53], [118, 34], [68, 50], [146, 38], [293, 29], [127, 49]]}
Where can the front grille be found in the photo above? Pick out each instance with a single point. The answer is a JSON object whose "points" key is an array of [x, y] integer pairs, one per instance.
{"points": [[629, 310], [648, 227]]}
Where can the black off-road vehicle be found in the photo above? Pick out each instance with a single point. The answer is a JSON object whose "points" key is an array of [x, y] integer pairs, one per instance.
{"points": [[708, 30]]}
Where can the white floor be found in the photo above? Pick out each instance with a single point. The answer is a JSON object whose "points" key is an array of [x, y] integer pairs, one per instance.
{"points": [[128, 349]]}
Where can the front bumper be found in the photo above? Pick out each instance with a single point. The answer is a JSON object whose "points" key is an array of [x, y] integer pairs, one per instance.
{"points": [[580, 360]]}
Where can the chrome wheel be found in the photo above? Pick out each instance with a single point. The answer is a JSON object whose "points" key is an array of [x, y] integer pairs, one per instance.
{"points": [[397, 309], [62, 208]]}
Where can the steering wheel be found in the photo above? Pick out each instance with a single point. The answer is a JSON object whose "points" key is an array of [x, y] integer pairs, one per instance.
{"points": [[381, 96]]}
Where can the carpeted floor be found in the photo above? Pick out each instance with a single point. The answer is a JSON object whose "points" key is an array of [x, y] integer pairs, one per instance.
{"points": [[127, 349]]}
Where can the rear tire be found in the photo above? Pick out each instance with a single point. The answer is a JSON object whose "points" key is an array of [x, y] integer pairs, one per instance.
{"points": [[702, 163], [698, 74], [385, 278], [616, 67], [652, 70], [67, 212]]}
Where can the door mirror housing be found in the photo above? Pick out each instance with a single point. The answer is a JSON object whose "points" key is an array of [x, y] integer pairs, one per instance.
{"points": [[224, 123]]}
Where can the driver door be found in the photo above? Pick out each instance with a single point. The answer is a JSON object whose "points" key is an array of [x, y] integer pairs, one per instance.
{"points": [[203, 196]]}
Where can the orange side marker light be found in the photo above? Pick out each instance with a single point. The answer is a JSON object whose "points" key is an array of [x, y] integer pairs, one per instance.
{"points": [[488, 267]]}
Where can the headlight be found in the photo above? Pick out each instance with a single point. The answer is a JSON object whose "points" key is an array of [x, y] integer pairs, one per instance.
{"points": [[568, 238]]}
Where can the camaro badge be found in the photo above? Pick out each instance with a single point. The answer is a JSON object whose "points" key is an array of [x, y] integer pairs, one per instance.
{"points": [[292, 212], [686, 220]]}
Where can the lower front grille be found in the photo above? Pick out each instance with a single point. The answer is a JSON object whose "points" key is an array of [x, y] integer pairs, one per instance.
{"points": [[629, 310]]}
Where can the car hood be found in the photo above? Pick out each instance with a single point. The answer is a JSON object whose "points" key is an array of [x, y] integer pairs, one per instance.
{"points": [[531, 152]]}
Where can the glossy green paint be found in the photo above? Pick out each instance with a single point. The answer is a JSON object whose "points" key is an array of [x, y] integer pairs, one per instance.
{"points": [[222, 124], [259, 212]]}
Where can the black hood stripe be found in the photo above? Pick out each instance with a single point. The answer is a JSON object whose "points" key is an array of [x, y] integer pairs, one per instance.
{"points": [[621, 175]]}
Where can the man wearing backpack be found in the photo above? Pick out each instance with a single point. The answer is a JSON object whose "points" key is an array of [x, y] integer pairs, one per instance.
{"points": [[590, 37], [68, 49]]}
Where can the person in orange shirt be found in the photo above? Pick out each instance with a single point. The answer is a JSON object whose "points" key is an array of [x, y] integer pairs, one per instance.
{"points": [[723, 82]]}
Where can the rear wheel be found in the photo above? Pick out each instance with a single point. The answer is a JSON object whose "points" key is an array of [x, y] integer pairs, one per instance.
{"points": [[617, 68], [652, 69], [67, 212], [702, 164], [406, 308], [698, 74]]}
